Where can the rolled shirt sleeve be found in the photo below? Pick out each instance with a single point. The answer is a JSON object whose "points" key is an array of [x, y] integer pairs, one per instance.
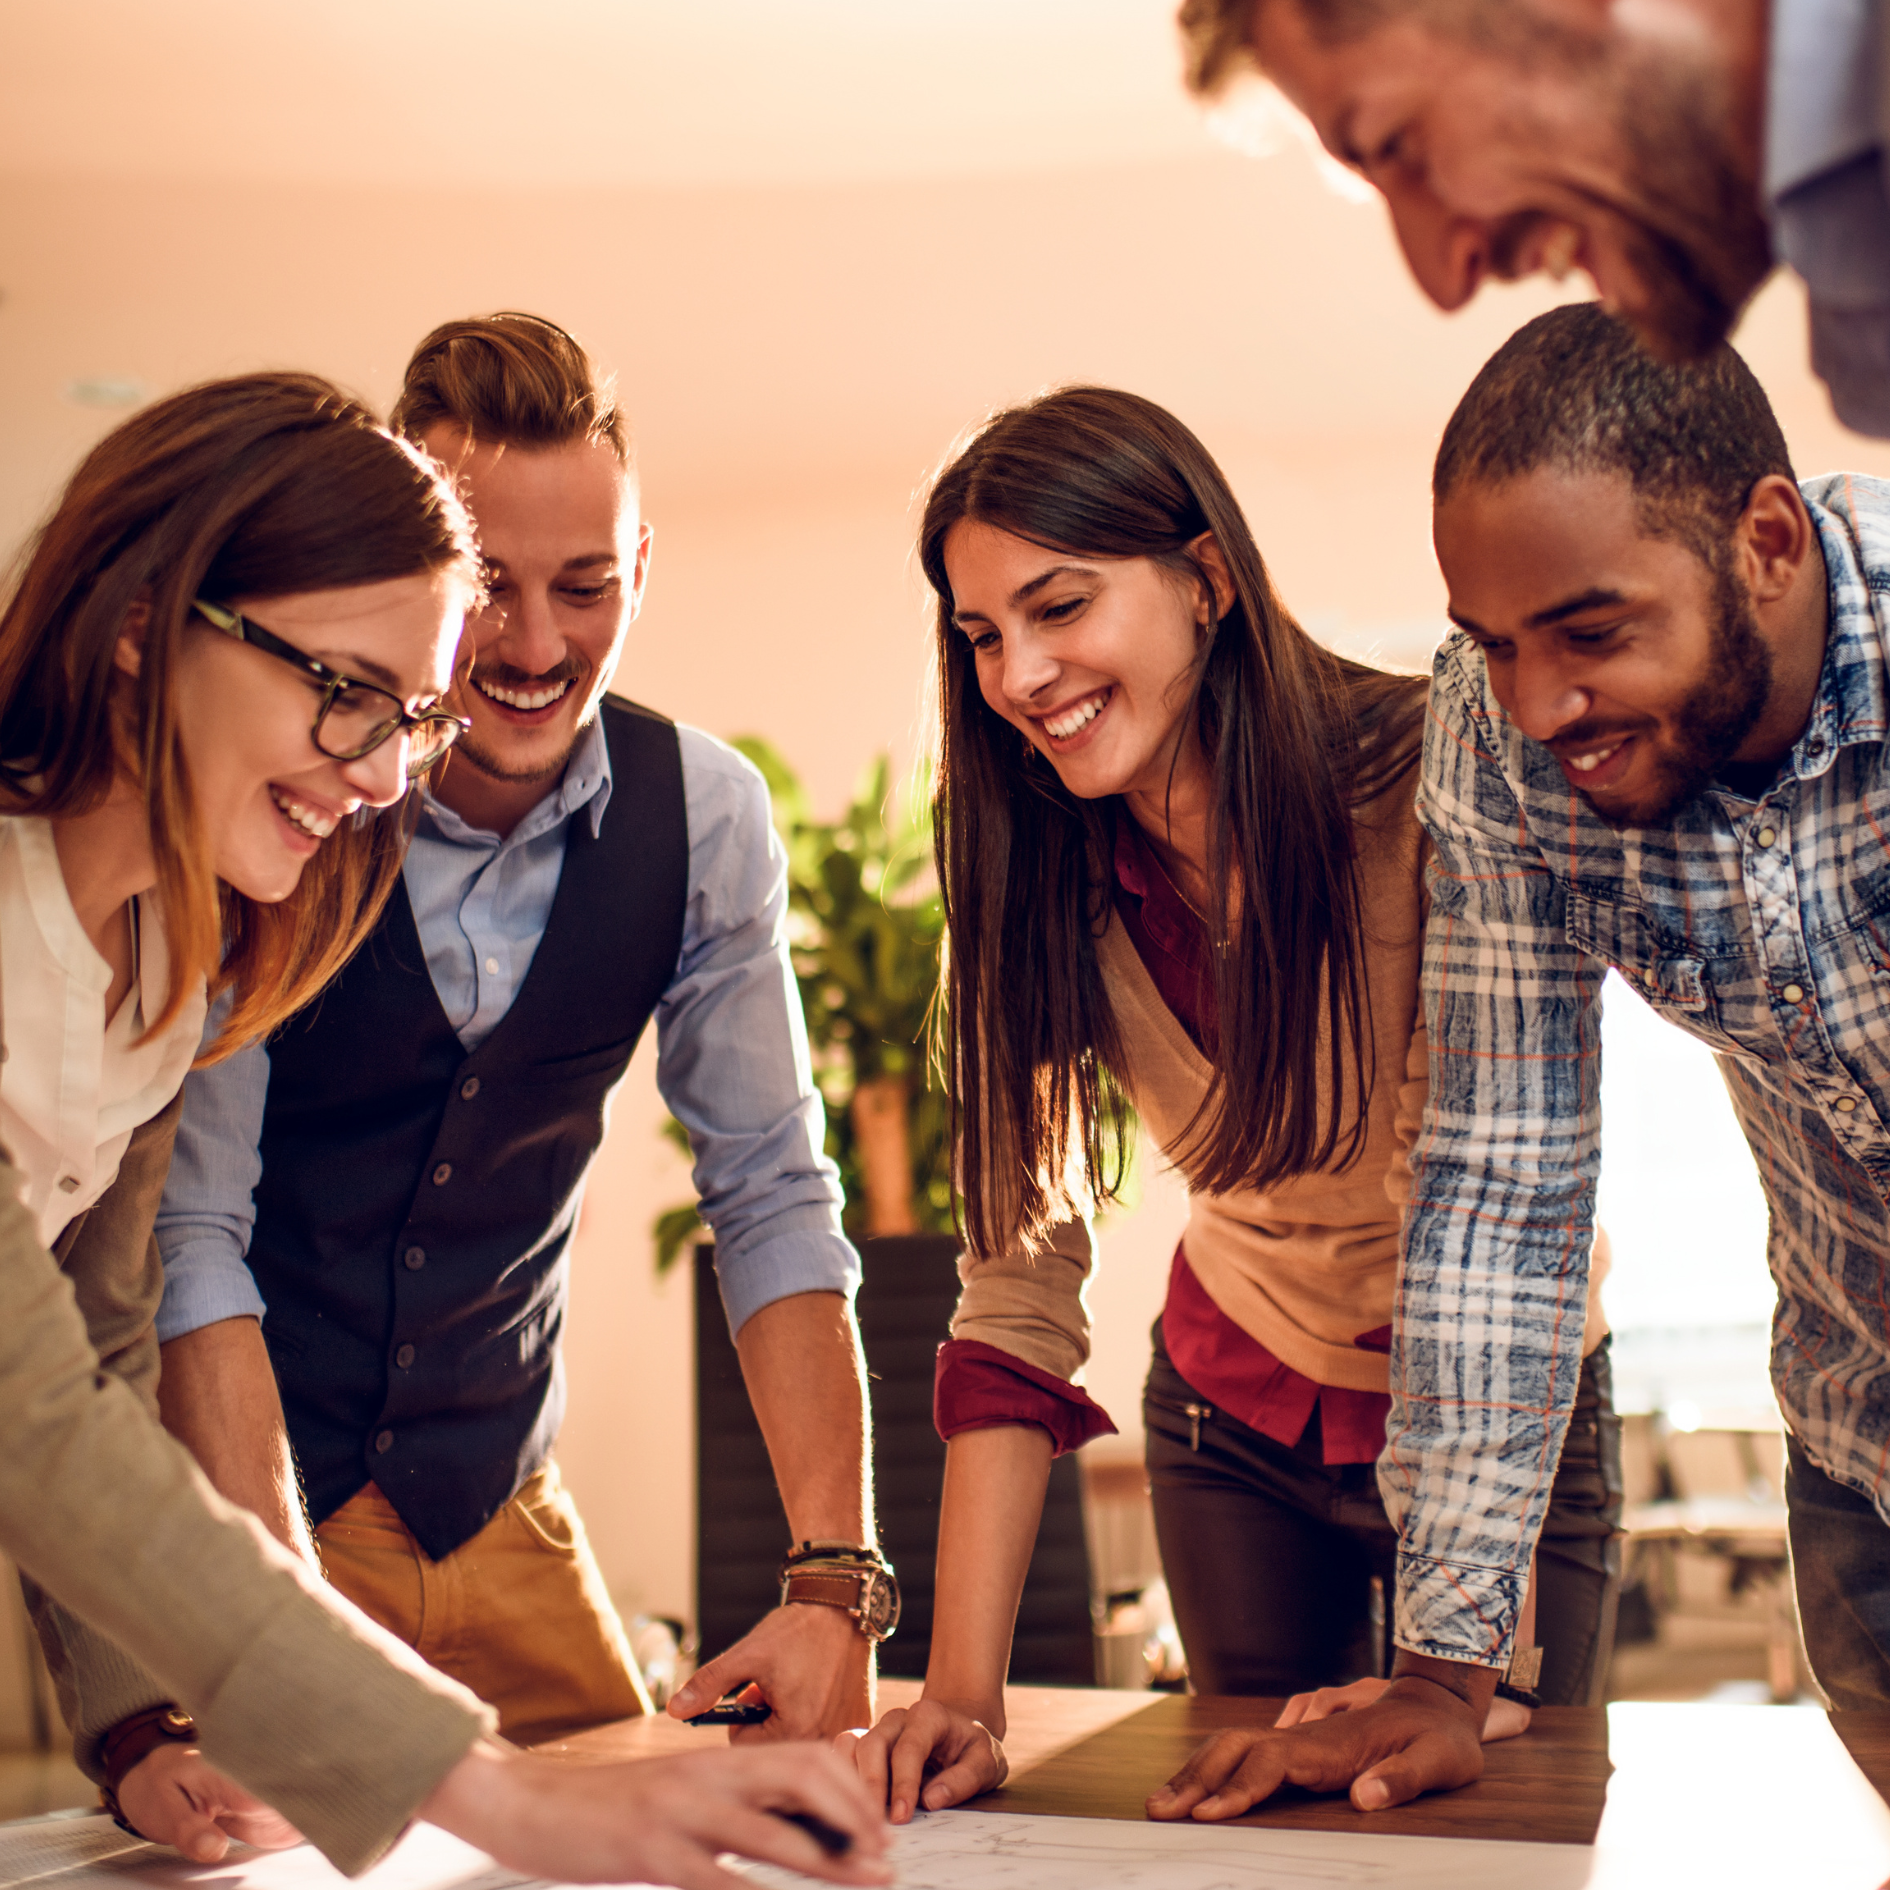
{"points": [[1488, 1338], [209, 1212], [732, 1059]]}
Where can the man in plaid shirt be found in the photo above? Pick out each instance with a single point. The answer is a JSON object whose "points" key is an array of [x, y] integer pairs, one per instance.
{"points": [[1656, 744]]}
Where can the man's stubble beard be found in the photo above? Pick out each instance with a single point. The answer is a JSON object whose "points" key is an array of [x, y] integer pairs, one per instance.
{"points": [[476, 755], [493, 766], [1720, 713]]}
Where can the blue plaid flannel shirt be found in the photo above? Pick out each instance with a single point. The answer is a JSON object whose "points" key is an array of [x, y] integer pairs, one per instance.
{"points": [[1763, 929]]}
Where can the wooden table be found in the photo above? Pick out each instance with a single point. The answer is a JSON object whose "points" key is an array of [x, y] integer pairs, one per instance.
{"points": [[1548, 1788], [1771, 1797], [1044, 1722]]}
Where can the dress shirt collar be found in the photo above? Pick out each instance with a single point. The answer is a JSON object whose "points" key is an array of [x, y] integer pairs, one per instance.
{"points": [[1851, 705], [585, 783], [1821, 90]]}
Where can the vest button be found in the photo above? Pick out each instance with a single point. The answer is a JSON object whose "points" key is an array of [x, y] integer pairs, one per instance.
{"points": [[1793, 994], [443, 1174], [469, 1089], [1845, 1104], [384, 1442], [416, 1258], [404, 1357]]}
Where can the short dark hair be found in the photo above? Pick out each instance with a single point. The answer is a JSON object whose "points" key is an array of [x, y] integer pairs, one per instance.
{"points": [[509, 379], [1574, 389]]}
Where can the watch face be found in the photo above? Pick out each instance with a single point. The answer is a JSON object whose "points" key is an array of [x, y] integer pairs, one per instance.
{"points": [[879, 1606]]}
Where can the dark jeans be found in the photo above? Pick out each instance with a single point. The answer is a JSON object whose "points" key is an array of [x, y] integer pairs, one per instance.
{"points": [[1841, 1567], [1270, 1553]]}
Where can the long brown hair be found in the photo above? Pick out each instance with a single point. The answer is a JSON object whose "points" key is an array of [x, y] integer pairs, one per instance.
{"points": [[261, 485], [1294, 738]]}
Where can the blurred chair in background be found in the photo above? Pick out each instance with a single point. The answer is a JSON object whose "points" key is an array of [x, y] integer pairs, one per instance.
{"points": [[905, 1306]]}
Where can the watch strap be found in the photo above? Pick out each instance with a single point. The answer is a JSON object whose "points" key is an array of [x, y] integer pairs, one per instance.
{"points": [[1520, 1678], [832, 1588], [132, 1741], [867, 1591]]}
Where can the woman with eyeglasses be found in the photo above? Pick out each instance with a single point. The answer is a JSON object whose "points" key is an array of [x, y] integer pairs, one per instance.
{"points": [[223, 662], [1182, 869]]}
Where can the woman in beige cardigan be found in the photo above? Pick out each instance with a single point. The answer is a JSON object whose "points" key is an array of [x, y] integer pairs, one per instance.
{"points": [[1181, 868], [230, 645]]}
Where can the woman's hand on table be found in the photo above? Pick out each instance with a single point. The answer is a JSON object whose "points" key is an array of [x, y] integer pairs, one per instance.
{"points": [[175, 1796], [1506, 1718], [665, 1821], [929, 1755]]}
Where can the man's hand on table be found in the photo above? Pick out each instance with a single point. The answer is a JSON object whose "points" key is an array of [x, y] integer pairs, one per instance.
{"points": [[932, 1754], [1506, 1719], [1422, 1734], [663, 1821], [175, 1796], [810, 1663]]}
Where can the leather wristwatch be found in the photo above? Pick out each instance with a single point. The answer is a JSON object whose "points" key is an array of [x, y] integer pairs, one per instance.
{"points": [[839, 1575], [133, 1740]]}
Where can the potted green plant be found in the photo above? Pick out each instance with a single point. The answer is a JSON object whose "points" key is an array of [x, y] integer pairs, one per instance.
{"points": [[865, 924]]}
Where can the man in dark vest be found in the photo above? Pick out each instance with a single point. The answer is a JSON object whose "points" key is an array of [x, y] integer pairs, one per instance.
{"points": [[373, 1212]]}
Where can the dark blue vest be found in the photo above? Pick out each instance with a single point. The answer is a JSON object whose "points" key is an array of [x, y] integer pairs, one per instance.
{"points": [[416, 1203]]}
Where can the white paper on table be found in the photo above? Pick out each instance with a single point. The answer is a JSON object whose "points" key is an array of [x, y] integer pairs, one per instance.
{"points": [[948, 1850], [91, 1853], [992, 1850]]}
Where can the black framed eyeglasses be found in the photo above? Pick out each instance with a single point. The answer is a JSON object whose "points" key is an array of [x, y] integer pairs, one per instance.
{"points": [[355, 717]]}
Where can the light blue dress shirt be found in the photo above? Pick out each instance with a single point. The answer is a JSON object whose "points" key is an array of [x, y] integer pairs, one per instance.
{"points": [[1827, 191], [732, 1057]]}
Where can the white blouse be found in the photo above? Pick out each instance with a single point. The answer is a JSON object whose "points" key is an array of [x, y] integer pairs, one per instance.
{"points": [[73, 1087]]}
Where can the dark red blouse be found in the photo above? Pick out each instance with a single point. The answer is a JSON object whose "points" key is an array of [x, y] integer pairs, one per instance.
{"points": [[978, 1384]]}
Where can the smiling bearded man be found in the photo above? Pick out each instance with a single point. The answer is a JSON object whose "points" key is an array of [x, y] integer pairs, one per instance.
{"points": [[1598, 796], [1672, 149], [396, 1175]]}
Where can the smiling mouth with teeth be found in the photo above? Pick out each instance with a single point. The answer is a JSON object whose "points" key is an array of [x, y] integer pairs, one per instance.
{"points": [[541, 697], [1073, 720], [317, 822], [1588, 763]]}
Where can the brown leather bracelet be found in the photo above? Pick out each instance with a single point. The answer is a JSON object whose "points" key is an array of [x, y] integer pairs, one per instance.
{"points": [[132, 1741]]}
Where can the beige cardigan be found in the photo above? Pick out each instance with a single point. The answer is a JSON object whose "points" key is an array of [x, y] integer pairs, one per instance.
{"points": [[1304, 1267], [297, 1694]]}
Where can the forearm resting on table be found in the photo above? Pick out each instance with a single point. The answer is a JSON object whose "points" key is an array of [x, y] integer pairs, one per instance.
{"points": [[993, 1500], [218, 1397]]}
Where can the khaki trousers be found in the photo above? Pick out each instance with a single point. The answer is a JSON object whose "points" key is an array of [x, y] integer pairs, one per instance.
{"points": [[519, 1614]]}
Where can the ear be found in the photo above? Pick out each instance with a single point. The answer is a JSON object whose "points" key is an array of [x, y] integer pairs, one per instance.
{"points": [[128, 652], [639, 576], [1206, 552], [1774, 539]]}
